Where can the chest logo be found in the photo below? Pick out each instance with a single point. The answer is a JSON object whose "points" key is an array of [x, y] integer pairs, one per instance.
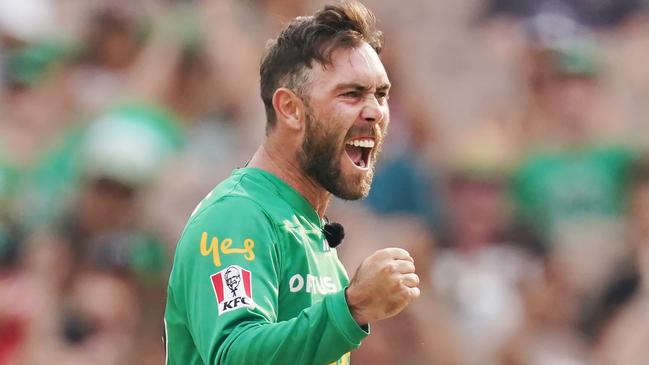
{"points": [[312, 284], [233, 288]]}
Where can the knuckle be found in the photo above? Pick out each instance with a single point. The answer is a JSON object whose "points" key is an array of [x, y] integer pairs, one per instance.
{"points": [[389, 268], [404, 288], [378, 255], [404, 252], [410, 267], [416, 278], [398, 286], [384, 253]]}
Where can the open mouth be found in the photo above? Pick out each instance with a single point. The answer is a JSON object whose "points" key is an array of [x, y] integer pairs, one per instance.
{"points": [[359, 151]]}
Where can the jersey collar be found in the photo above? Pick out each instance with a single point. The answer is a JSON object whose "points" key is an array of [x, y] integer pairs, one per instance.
{"points": [[288, 193]]}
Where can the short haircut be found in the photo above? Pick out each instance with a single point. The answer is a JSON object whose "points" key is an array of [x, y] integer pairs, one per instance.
{"points": [[313, 38]]}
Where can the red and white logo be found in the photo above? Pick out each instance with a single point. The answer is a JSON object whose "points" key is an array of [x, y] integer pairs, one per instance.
{"points": [[233, 288]]}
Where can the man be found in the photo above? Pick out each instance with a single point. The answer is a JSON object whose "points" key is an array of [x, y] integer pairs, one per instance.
{"points": [[254, 280]]}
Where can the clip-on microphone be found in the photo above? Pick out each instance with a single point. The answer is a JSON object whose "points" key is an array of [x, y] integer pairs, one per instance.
{"points": [[334, 233]]}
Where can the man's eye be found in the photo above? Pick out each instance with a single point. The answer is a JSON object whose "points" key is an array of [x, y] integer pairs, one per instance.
{"points": [[351, 94], [382, 96]]}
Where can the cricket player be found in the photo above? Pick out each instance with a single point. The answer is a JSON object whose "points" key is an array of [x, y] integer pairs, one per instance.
{"points": [[254, 280]]}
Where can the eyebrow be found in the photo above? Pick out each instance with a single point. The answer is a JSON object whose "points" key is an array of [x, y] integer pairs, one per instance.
{"points": [[361, 87]]}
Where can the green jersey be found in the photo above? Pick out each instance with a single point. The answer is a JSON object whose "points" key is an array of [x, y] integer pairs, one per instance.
{"points": [[254, 281]]}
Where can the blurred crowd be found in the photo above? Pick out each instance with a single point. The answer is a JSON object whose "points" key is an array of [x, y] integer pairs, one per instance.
{"points": [[516, 172]]}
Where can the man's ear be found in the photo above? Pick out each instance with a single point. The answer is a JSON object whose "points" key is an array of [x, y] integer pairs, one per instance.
{"points": [[289, 108]]}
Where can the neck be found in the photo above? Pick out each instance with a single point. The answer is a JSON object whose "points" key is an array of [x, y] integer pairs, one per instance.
{"points": [[274, 160]]}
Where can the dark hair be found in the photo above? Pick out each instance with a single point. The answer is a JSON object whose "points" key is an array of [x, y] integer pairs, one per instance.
{"points": [[309, 38]]}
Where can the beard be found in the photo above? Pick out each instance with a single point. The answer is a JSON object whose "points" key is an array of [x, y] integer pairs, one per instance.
{"points": [[320, 159]]}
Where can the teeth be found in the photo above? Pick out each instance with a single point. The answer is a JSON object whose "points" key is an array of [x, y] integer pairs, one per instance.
{"points": [[366, 143], [362, 164]]}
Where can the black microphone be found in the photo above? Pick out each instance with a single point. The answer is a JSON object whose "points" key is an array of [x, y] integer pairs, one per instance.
{"points": [[334, 233]]}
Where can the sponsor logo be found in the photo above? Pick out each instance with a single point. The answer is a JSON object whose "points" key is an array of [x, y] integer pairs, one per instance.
{"points": [[224, 247], [312, 284], [233, 288]]}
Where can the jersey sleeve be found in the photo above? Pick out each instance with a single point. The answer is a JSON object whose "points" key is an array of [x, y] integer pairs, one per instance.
{"points": [[228, 273]]}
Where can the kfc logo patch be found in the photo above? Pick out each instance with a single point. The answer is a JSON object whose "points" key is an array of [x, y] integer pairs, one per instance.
{"points": [[233, 288]]}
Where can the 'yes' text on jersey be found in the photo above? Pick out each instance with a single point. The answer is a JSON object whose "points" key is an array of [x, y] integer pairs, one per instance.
{"points": [[224, 247]]}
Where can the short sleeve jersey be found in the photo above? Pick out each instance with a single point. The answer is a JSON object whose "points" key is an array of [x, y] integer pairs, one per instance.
{"points": [[254, 281]]}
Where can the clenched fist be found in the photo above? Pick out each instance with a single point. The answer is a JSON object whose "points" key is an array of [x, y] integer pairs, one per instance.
{"points": [[383, 285]]}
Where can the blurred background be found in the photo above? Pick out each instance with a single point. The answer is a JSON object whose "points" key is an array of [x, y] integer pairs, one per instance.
{"points": [[515, 172]]}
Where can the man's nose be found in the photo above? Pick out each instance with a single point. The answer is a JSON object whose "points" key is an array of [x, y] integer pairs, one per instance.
{"points": [[373, 111]]}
